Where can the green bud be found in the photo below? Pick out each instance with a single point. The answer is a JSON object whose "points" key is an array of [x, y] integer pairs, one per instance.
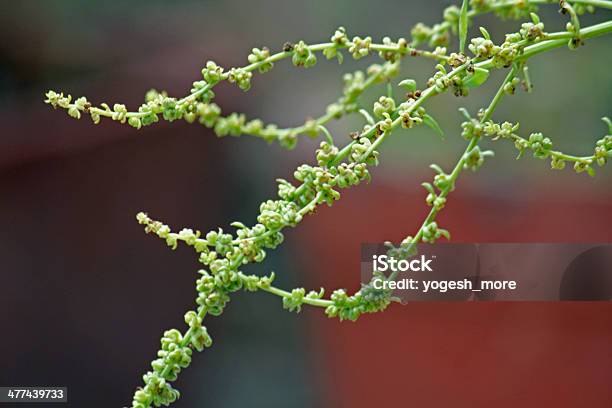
{"points": [[409, 85]]}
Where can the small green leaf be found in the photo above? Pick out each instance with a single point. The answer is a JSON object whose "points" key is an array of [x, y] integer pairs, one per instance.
{"points": [[479, 76], [485, 33], [367, 117], [340, 57], [328, 135], [428, 187], [463, 25], [408, 84], [445, 233], [488, 153], [608, 122], [465, 113], [431, 122], [534, 18], [436, 168], [528, 84]]}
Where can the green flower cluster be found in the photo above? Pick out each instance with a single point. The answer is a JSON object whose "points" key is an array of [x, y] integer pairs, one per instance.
{"points": [[504, 9], [366, 300], [360, 47], [436, 36], [483, 47], [174, 355], [471, 128], [431, 233], [443, 183], [261, 57], [542, 147], [440, 79], [298, 296], [339, 40], [302, 55], [400, 48], [177, 348], [209, 113], [532, 31], [156, 391], [439, 34], [503, 55], [213, 73], [474, 159], [197, 105], [603, 149], [240, 77], [433, 199]]}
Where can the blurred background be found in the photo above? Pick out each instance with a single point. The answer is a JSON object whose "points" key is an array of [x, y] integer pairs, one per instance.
{"points": [[85, 294]]}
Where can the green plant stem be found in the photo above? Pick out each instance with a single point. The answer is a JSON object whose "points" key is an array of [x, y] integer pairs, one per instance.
{"points": [[461, 162], [345, 101], [425, 95], [557, 154], [595, 3], [529, 51], [283, 293], [275, 58], [186, 338], [595, 30], [605, 4]]}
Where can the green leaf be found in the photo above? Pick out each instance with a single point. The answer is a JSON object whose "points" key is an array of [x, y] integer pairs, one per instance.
{"points": [[485, 33], [527, 79], [436, 168], [408, 84], [340, 57], [608, 122], [465, 113], [479, 76], [445, 233], [463, 25], [428, 187], [431, 122]]}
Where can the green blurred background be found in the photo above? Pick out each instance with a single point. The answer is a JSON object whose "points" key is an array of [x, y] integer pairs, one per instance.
{"points": [[85, 294]]}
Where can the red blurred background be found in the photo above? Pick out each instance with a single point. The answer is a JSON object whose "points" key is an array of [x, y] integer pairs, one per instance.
{"points": [[463, 354]]}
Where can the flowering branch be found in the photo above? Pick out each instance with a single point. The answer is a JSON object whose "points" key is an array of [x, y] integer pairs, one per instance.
{"points": [[224, 254]]}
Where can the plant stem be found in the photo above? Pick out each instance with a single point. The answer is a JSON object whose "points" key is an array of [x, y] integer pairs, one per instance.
{"points": [[460, 163], [595, 3], [283, 293]]}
